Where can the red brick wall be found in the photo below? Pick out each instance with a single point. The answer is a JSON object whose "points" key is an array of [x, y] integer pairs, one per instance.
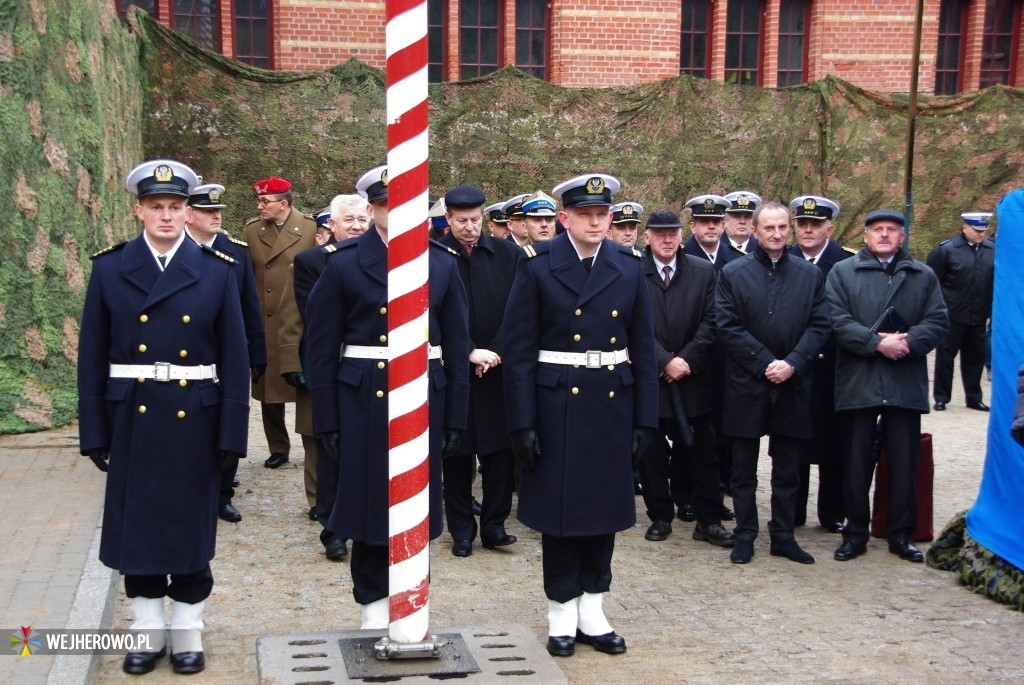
{"points": [[598, 43]]}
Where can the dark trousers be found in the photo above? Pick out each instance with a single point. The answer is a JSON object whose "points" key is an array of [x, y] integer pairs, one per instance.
{"points": [[326, 490], [190, 588], [576, 565], [830, 494], [275, 428], [660, 464], [969, 341], [901, 438], [369, 572], [497, 480], [227, 487], [785, 455]]}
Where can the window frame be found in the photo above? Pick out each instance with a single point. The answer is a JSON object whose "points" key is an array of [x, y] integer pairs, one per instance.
{"points": [[986, 66], [235, 55], [499, 39], [530, 30], [805, 6], [944, 37], [155, 13], [761, 9], [692, 6], [215, 19]]}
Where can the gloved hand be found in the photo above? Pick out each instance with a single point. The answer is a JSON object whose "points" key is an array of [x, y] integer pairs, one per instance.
{"points": [[100, 457], [526, 447], [257, 373], [332, 445], [450, 442], [641, 441], [296, 379], [228, 459]]}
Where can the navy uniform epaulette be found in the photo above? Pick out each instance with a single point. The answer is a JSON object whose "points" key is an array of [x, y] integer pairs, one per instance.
{"points": [[223, 255], [849, 249], [535, 249], [334, 248], [236, 241], [107, 250], [253, 220], [630, 251], [444, 247], [945, 241]]}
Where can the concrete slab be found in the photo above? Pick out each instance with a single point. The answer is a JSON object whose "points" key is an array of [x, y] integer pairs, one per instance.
{"points": [[505, 655]]}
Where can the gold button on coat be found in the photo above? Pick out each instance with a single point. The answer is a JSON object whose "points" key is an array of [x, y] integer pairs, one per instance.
{"points": [[383, 310], [380, 393], [575, 391], [141, 379], [380, 365], [383, 338], [578, 312], [576, 337], [142, 348], [612, 341], [144, 318], [183, 382], [183, 354], [615, 312], [186, 318], [611, 394], [181, 414], [142, 409]]}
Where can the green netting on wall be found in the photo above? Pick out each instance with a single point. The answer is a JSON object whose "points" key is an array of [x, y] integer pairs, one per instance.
{"points": [[70, 126]]}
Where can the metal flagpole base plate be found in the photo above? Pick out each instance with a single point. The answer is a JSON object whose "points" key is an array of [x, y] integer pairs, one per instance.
{"points": [[477, 654], [372, 656]]}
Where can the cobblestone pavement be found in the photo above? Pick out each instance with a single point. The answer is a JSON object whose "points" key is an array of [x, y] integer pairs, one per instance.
{"points": [[689, 615]]}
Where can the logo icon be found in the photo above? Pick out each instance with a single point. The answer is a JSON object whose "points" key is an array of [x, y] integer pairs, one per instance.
{"points": [[214, 195], [627, 210], [384, 177], [595, 186], [24, 641], [810, 206], [163, 174]]}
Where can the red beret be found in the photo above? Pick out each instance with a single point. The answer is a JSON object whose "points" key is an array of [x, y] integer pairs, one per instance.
{"points": [[271, 186]]}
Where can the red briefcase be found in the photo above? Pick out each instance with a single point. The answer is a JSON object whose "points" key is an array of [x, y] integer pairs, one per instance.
{"points": [[923, 493]]}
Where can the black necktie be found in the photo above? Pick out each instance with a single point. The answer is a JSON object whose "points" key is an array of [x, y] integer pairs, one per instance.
{"points": [[163, 261], [587, 263]]}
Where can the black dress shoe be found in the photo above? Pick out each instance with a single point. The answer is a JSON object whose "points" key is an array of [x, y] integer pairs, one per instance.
{"points": [[228, 513], [336, 549], [658, 531], [727, 514], [312, 514], [906, 550], [715, 533], [742, 552], [687, 513], [503, 540], [138, 663], [561, 645], [849, 550], [979, 405], [275, 460], [188, 662], [609, 643], [462, 548], [940, 406], [833, 527], [791, 551], [477, 509]]}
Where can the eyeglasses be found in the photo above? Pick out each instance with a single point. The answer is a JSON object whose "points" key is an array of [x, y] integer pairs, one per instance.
{"points": [[267, 200]]}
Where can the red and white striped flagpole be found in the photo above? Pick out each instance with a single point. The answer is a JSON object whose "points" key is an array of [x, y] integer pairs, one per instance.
{"points": [[408, 427]]}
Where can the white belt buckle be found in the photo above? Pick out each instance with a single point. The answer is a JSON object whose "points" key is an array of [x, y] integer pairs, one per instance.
{"points": [[593, 359], [162, 372]]}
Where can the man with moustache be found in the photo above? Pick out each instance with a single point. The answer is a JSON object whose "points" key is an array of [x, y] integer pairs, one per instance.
{"points": [[772, 321], [487, 266], [739, 232], [203, 225], [813, 217], [887, 315], [581, 404]]}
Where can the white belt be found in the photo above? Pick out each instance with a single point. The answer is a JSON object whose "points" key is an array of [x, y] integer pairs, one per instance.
{"points": [[163, 371], [373, 352], [592, 359]]}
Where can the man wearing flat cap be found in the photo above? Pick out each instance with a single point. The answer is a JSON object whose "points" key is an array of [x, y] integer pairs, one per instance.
{"points": [[280, 233], [887, 315], [581, 396], [348, 311], [965, 268], [487, 266], [739, 228], [682, 290], [163, 408], [203, 225], [625, 227], [813, 218]]}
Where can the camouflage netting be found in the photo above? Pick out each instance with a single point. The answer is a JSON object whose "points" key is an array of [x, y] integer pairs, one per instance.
{"points": [[980, 571], [71, 119], [70, 127]]}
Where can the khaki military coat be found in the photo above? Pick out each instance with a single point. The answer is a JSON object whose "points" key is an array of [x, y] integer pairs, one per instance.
{"points": [[272, 252]]}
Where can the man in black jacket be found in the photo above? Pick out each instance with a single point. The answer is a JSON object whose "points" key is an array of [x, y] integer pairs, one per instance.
{"points": [[682, 290], [965, 268], [772, 321], [487, 267]]}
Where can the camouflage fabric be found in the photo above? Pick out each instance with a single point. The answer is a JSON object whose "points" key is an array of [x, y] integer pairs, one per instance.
{"points": [[981, 571]]}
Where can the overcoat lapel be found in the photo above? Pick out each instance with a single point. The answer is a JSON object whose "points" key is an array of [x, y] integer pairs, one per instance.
{"points": [[372, 252], [138, 266], [291, 233], [181, 272], [605, 271], [566, 266]]}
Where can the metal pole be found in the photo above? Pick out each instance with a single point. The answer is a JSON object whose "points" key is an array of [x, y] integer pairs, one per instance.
{"points": [[408, 416], [908, 191]]}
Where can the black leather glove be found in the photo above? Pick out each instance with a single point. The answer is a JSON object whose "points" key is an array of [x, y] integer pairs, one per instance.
{"points": [[257, 373], [296, 379], [526, 447], [332, 445], [228, 459], [99, 457], [451, 442], [641, 441]]}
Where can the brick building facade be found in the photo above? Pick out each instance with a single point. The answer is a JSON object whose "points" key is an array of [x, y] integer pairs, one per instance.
{"points": [[966, 44]]}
